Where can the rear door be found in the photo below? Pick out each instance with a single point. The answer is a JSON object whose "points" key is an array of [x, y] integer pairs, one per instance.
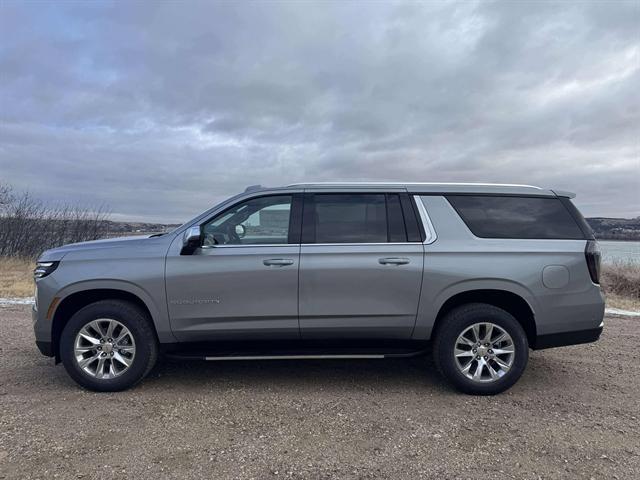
{"points": [[361, 262]]}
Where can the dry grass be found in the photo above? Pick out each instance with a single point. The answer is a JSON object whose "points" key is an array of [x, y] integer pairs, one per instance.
{"points": [[621, 279], [623, 303], [621, 285], [16, 277]]}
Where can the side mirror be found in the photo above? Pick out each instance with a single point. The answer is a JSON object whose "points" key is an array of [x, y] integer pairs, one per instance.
{"points": [[241, 231], [191, 240]]}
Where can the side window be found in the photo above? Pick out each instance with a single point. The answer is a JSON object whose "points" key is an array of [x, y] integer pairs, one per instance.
{"points": [[262, 220], [516, 217], [353, 218]]}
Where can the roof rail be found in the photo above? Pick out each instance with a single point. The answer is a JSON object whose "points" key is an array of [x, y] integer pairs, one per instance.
{"points": [[417, 184], [252, 188]]}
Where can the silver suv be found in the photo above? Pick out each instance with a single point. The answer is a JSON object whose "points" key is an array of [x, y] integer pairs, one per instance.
{"points": [[481, 273]]}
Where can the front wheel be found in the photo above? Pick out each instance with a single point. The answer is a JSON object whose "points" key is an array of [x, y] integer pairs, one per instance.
{"points": [[481, 349], [108, 346]]}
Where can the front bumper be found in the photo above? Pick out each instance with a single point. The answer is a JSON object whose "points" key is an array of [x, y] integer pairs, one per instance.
{"points": [[45, 346]]}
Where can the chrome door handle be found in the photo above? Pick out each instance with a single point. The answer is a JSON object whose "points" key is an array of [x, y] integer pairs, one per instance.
{"points": [[393, 261], [277, 262]]}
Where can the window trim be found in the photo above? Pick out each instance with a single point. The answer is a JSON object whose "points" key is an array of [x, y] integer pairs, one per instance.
{"points": [[357, 244], [429, 231], [300, 203], [250, 245]]}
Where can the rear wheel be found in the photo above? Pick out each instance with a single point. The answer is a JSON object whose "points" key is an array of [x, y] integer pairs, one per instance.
{"points": [[481, 349], [108, 346]]}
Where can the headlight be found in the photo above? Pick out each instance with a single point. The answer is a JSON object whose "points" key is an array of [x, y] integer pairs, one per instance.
{"points": [[44, 268]]}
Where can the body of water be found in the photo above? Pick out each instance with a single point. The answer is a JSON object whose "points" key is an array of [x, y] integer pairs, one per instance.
{"points": [[624, 252]]}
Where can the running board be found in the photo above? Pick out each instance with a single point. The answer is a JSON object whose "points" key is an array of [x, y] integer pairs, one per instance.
{"points": [[292, 357]]}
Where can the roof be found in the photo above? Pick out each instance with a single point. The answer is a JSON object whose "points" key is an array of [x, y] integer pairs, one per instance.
{"points": [[451, 188]]}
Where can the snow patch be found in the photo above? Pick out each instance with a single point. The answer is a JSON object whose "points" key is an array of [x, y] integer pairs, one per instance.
{"points": [[620, 312], [16, 301]]}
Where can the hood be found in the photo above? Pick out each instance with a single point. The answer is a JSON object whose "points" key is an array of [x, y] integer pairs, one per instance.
{"points": [[56, 254]]}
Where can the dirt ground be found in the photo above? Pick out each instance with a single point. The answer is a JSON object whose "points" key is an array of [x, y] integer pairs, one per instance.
{"points": [[574, 414]]}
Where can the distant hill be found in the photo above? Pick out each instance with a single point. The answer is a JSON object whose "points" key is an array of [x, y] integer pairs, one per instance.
{"points": [[615, 228], [119, 229]]}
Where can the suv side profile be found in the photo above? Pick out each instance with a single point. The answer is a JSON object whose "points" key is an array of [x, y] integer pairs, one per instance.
{"points": [[479, 272]]}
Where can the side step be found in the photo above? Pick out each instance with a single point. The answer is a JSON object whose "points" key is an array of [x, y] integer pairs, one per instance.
{"points": [[294, 356], [298, 350], [291, 357]]}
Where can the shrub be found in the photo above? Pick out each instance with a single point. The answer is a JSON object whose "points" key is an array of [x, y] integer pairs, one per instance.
{"points": [[28, 226], [622, 279]]}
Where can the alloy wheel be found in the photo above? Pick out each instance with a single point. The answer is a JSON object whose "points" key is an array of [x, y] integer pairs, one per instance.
{"points": [[484, 352], [104, 348]]}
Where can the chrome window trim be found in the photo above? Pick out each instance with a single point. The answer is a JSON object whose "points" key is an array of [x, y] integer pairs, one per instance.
{"points": [[430, 232], [251, 245], [358, 244], [208, 247], [424, 217]]}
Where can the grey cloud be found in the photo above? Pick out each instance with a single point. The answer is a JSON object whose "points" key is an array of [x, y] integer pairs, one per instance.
{"points": [[162, 109]]}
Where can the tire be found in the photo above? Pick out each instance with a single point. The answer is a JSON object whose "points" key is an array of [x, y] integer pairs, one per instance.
{"points": [[138, 347], [452, 357]]}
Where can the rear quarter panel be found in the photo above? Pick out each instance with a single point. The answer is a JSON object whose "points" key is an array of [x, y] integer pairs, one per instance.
{"points": [[458, 261]]}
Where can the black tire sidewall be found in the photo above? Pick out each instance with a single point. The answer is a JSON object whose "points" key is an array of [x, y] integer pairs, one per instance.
{"points": [[455, 323], [132, 318]]}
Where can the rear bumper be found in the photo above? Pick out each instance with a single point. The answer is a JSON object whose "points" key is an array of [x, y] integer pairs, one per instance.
{"points": [[568, 338]]}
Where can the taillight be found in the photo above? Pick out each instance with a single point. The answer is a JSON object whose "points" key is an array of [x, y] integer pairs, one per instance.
{"points": [[592, 254]]}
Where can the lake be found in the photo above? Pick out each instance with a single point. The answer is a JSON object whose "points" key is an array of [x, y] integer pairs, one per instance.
{"points": [[616, 251]]}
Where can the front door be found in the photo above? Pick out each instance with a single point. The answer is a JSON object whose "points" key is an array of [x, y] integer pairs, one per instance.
{"points": [[242, 283], [360, 274]]}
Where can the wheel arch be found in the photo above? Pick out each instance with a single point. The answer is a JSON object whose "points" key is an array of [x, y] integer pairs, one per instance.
{"points": [[79, 298], [509, 301]]}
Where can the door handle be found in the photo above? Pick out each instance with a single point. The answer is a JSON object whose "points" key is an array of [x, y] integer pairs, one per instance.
{"points": [[393, 261], [277, 262]]}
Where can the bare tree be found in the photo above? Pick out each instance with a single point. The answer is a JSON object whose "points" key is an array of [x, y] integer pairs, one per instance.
{"points": [[28, 226], [5, 193]]}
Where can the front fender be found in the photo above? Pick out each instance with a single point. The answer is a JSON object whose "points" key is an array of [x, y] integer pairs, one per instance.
{"points": [[158, 313]]}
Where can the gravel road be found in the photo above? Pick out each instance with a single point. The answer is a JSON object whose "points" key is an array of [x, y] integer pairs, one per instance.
{"points": [[574, 414]]}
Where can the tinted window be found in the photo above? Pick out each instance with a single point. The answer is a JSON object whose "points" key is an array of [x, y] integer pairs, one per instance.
{"points": [[354, 218], [263, 220], [516, 217], [396, 231], [577, 216], [414, 230]]}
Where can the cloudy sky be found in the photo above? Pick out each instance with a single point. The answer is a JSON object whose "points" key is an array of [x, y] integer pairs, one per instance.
{"points": [[161, 109]]}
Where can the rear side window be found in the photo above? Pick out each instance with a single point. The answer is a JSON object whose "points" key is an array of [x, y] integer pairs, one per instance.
{"points": [[353, 218], [516, 217]]}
